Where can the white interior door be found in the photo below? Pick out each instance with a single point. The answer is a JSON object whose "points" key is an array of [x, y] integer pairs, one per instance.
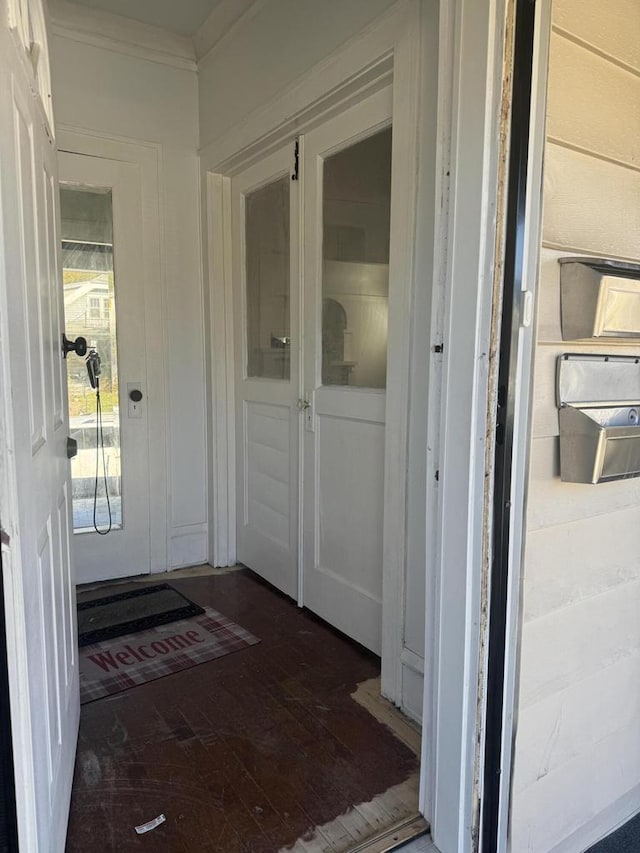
{"points": [[103, 284], [266, 308], [347, 186], [35, 487]]}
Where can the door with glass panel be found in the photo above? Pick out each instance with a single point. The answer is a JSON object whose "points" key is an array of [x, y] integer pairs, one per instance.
{"points": [[347, 188], [266, 307], [101, 231]]}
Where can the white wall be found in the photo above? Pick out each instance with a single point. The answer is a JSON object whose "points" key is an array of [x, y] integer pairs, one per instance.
{"points": [[577, 758], [268, 49], [116, 95]]}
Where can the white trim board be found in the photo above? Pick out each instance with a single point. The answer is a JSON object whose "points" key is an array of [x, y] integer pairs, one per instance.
{"points": [[220, 25], [219, 358], [121, 35], [471, 79], [128, 36]]}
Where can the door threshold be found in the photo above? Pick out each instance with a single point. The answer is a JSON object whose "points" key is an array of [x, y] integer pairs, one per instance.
{"points": [[392, 838]]}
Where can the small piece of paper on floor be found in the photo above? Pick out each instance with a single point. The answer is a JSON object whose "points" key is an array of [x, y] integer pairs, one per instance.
{"points": [[147, 827]]}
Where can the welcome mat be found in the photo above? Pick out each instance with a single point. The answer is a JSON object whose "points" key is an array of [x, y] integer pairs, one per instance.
{"points": [[118, 664], [102, 619]]}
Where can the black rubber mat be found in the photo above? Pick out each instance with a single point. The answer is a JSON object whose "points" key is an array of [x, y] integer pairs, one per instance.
{"points": [[626, 839], [127, 612]]}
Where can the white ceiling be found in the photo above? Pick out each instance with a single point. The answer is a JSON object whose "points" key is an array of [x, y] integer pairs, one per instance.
{"points": [[182, 17]]}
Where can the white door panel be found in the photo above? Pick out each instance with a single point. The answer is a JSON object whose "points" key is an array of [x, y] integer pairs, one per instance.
{"points": [[345, 584], [346, 281], [34, 470], [267, 353], [125, 550]]}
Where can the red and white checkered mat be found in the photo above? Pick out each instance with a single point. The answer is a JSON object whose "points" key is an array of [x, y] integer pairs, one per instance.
{"points": [[116, 665]]}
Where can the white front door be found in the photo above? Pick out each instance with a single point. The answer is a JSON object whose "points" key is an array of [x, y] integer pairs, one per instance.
{"points": [[101, 235], [347, 189], [267, 347], [35, 485]]}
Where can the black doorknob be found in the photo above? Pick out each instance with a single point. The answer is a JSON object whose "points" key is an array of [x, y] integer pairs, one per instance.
{"points": [[79, 346], [135, 395]]}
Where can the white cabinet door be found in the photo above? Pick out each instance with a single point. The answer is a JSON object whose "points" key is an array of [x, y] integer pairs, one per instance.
{"points": [[35, 487], [103, 284], [347, 190], [267, 350]]}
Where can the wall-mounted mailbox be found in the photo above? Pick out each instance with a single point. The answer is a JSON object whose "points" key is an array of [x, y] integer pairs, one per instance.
{"points": [[599, 298], [599, 400]]}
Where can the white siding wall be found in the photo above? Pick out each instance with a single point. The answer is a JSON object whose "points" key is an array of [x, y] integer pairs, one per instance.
{"points": [[114, 95], [577, 760]]}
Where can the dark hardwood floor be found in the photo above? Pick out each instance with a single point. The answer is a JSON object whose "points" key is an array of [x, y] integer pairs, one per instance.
{"points": [[245, 753]]}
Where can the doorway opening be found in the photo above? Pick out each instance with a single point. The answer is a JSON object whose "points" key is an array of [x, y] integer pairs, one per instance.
{"points": [[103, 276], [324, 691], [311, 305]]}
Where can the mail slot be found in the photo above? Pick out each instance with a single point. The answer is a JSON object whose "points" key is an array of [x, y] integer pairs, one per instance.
{"points": [[599, 400], [599, 298]]}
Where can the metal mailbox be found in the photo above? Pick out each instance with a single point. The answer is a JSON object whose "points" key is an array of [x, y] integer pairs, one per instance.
{"points": [[599, 298], [599, 401]]}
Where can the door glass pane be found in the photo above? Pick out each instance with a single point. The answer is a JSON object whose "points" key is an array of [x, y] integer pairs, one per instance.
{"points": [[355, 269], [89, 308], [267, 271]]}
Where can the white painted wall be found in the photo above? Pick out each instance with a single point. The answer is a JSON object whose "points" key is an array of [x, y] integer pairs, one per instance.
{"points": [[268, 49], [577, 754], [110, 94]]}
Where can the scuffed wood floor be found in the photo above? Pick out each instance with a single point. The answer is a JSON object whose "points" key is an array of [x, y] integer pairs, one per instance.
{"points": [[262, 750]]}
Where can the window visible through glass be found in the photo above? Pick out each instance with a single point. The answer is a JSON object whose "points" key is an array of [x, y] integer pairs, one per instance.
{"points": [[355, 269], [89, 306], [267, 265]]}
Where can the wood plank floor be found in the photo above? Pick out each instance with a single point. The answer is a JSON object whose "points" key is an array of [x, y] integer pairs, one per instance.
{"points": [[262, 750]]}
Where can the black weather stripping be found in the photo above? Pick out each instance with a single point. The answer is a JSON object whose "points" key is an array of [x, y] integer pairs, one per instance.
{"points": [[503, 458]]}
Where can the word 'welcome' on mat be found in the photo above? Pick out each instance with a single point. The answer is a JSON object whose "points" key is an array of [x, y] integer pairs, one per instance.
{"points": [[124, 662]]}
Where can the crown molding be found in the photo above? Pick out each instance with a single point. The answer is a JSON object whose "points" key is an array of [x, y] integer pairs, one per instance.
{"points": [[220, 23], [121, 35]]}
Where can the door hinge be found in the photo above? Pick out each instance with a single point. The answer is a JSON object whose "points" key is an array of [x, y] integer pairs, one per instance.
{"points": [[296, 161], [437, 475], [439, 348]]}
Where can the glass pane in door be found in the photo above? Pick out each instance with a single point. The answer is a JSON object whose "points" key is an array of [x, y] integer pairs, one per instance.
{"points": [[267, 281], [355, 268], [89, 307]]}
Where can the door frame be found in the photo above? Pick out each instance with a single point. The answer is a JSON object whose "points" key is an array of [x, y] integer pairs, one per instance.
{"points": [[147, 159], [127, 545], [388, 53], [518, 322]]}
